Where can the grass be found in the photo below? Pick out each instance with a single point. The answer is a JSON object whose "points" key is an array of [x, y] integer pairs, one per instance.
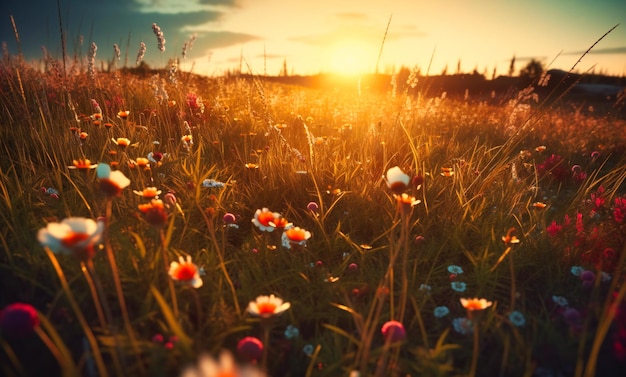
{"points": [[552, 178]]}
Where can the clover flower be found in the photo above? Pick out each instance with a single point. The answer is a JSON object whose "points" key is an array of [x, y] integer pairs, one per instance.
{"points": [[74, 235], [393, 331], [267, 306], [250, 349], [18, 320], [186, 272]]}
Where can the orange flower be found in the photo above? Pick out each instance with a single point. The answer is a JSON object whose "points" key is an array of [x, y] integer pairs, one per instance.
{"points": [[510, 238], [123, 114], [251, 166], [295, 236], [148, 192], [539, 205], [447, 172], [83, 135], [143, 162], [267, 306], [82, 164], [186, 272], [406, 202], [473, 304], [280, 223], [154, 212], [121, 142], [263, 219]]}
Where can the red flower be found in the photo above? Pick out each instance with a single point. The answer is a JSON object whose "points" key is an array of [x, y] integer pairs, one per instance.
{"points": [[18, 319]]}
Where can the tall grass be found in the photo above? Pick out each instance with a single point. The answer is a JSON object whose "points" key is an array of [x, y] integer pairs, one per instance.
{"points": [[483, 173]]}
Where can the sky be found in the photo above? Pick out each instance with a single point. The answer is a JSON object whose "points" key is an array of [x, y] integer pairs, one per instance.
{"points": [[322, 36]]}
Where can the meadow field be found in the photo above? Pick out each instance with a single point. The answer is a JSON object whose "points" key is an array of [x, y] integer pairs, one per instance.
{"points": [[172, 224]]}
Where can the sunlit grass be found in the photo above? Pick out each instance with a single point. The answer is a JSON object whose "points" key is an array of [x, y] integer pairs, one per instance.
{"points": [[481, 178]]}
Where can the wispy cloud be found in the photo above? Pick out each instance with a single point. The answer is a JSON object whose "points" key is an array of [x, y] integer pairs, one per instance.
{"points": [[603, 51]]}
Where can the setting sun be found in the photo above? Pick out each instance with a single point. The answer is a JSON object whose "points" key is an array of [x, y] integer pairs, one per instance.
{"points": [[351, 58]]}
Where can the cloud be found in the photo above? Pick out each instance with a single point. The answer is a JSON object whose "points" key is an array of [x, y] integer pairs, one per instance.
{"points": [[603, 51], [219, 39]]}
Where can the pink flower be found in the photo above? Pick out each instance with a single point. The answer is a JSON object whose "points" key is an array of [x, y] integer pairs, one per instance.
{"points": [[393, 331], [18, 320], [554, 229]]}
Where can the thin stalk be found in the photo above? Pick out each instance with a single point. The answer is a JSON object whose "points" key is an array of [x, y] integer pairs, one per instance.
{"points": [[54, 350], [93, 343], [116, 280], [475, 351], [170, 282]]}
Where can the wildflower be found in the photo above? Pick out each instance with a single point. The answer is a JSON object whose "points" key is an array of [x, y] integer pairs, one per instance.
{"points": [[295, 236], [509, 238], [82, 164], [393, 331], [140, 53], [212, 183], [539, 205], [121, 142], [123, 114], [454, 269], [263, 218], [229, 218], [111, 182], [83, 136], [605, 276], [447, 172], [541, 148], [619, 210], [588, 278], [73, 235], [18, 320], [148, 193], [473, 304], [185, 271], [267, 306], [459, 286], [187, 141], [291, 332], [353, 267], [143, 163], [397, 180], [441, 311], [425, 288], [308, 349], [313, 207], [225, 365], [251, 166], [577, 270], [406, 203], [462, 325], [560, 301], [280, 222], [573, 318], [250, 348], [156, 157], [160, 36], [154, 212], [554, 229], [517, 318]]}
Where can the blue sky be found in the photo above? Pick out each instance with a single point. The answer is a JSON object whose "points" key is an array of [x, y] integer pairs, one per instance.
{"points": [[323, 35]]}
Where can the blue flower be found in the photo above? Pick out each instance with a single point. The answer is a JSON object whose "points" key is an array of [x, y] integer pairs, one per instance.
{"points": [[308, 349], [291, 332], [462, 325], [517, 318], [560, 301], [425, 288], [459, 286], [210, 183], [605, 276], [441, 311], [577, 270], [454, 269]]}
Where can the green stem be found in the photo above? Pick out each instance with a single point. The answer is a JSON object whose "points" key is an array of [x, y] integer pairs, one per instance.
{"points": [[102, 371], [170, 282]]}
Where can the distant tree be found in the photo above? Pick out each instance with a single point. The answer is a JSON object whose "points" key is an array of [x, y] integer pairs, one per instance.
{"points": [[285, 72], [531, 72], [458, 67], [444, 71]]}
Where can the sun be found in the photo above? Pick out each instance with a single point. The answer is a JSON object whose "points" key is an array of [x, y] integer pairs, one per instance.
{"points": [[350, 58]]}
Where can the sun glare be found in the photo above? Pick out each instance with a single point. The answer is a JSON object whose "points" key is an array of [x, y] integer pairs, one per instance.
{"points": [[350, 58]]}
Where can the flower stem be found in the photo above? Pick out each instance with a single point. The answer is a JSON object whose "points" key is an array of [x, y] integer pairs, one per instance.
{"points": [[170, 282], [475, 351]]}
